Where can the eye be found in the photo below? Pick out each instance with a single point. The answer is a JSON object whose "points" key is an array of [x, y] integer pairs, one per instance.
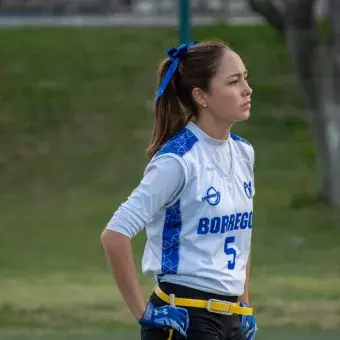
{"points": [[233, 82]]}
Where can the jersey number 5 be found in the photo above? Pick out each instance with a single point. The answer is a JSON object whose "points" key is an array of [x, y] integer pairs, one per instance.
{"points": [[229, 250]]}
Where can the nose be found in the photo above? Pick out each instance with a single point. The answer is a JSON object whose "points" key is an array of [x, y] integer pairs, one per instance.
{"points": [[247, 90]]}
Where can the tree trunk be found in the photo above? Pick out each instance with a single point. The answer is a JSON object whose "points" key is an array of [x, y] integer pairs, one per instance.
{"points": [[319, 87], [331, 102], [271, 11], [304, 58]]}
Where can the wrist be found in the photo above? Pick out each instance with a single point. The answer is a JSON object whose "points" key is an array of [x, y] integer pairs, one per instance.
{"points": [[139, 313], [139, 316], [243, 300]]}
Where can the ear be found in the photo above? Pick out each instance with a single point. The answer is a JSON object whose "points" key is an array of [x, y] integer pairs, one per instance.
{"points": [[199, 97]]}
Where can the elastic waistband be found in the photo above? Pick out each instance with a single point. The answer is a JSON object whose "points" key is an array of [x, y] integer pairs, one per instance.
{"points": [[192, 293]]}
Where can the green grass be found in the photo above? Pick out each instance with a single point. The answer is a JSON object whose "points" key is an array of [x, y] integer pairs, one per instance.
{"points": [[75, 119], [262, 335]]}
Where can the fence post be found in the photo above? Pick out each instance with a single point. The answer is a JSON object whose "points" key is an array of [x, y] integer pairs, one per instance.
{"points": [[184, 22]]}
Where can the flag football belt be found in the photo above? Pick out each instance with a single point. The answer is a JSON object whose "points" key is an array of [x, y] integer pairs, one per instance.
{"points": [[212, 305]]}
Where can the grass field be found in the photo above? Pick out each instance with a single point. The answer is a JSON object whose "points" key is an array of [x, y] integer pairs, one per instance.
{"points": [[75, 119], [268, 335]]}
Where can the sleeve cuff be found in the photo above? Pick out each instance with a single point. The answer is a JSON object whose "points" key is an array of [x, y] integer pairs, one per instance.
{"points": [[119, 229]]}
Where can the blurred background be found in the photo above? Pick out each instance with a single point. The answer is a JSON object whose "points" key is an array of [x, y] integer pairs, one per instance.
{"points": [[77, 80]]}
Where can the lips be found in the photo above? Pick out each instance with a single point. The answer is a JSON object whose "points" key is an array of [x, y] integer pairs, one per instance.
{"points": [[247, 103]]}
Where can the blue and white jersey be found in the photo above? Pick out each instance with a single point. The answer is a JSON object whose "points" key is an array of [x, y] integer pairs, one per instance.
{"points": [[200, 237]]}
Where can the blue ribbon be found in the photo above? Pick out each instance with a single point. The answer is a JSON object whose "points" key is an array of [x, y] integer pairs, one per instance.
{"points": [[174, 55]]}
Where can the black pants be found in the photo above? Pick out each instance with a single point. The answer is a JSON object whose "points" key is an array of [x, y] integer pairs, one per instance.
{"points": [[203, 324]]}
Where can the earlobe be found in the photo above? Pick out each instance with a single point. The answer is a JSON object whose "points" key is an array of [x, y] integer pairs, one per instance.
{"points": [[199, 97]]}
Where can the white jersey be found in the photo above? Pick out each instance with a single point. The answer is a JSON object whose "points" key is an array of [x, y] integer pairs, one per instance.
{"points": [[201, 237]]}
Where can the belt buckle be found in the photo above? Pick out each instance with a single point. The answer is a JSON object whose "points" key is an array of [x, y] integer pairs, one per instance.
{"points": [[226, 303]]}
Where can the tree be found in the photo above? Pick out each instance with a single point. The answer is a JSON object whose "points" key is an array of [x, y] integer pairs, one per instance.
{"points": [[316, 64]]}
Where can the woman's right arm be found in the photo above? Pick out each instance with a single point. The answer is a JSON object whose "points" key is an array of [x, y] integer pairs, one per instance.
{"points": [[119, 255], [155, 190]]}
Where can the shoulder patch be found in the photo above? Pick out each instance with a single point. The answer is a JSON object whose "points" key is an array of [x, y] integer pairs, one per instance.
{"points": [[179, 144], [238, 138]]}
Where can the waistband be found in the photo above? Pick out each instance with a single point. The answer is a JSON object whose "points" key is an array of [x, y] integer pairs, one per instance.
{"points": [[214, 304]]}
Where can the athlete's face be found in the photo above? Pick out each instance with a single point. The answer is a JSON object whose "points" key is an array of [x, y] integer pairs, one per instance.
{"points": [[229, 95]]}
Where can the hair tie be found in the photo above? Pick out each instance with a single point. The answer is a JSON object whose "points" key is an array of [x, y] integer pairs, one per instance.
{"points": [[174, 55]]}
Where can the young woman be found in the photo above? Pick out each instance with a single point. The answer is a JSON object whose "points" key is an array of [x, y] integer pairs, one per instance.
{"points": [[196, 202]]}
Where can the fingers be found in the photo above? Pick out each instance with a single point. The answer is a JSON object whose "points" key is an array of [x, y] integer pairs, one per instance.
{"points": [[183, 322], [164, 322], [183, 333], [250, 335], [243, 323], [178, 328], [251, 322], [248, 325], [182, 317], [176, 319], [251, 331]]}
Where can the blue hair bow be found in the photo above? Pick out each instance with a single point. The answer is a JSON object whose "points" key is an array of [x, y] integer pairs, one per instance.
{"points": [[174, 55]]}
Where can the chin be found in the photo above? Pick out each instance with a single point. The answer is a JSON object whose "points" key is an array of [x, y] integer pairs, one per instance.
{"points": [[243, 115]]}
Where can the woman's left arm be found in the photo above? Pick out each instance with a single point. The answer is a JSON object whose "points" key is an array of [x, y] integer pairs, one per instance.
{"points": [[245, 296]]}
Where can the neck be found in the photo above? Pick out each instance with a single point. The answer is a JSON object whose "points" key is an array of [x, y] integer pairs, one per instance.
{"points": [[218, 129]]}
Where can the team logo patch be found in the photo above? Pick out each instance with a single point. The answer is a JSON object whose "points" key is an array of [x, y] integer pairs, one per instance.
{"points": [[213, 196], [248, 189]]}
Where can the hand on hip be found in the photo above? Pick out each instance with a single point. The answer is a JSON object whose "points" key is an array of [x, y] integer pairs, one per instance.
{"points": [[166, 317]]}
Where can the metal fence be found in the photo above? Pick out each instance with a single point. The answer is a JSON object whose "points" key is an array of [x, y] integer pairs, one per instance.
{"points": [[109, 7], [63, 7], [15, 12]]}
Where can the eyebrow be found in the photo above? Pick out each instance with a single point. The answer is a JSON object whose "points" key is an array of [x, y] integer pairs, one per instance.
{"points": [[238, 74]]}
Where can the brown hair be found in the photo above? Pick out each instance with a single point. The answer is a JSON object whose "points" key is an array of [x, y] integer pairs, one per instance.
{"points": [[176, 107]]}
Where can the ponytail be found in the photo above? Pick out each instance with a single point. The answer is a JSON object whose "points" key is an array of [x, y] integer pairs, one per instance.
{"points": [[188, 67], [169, 115]]}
